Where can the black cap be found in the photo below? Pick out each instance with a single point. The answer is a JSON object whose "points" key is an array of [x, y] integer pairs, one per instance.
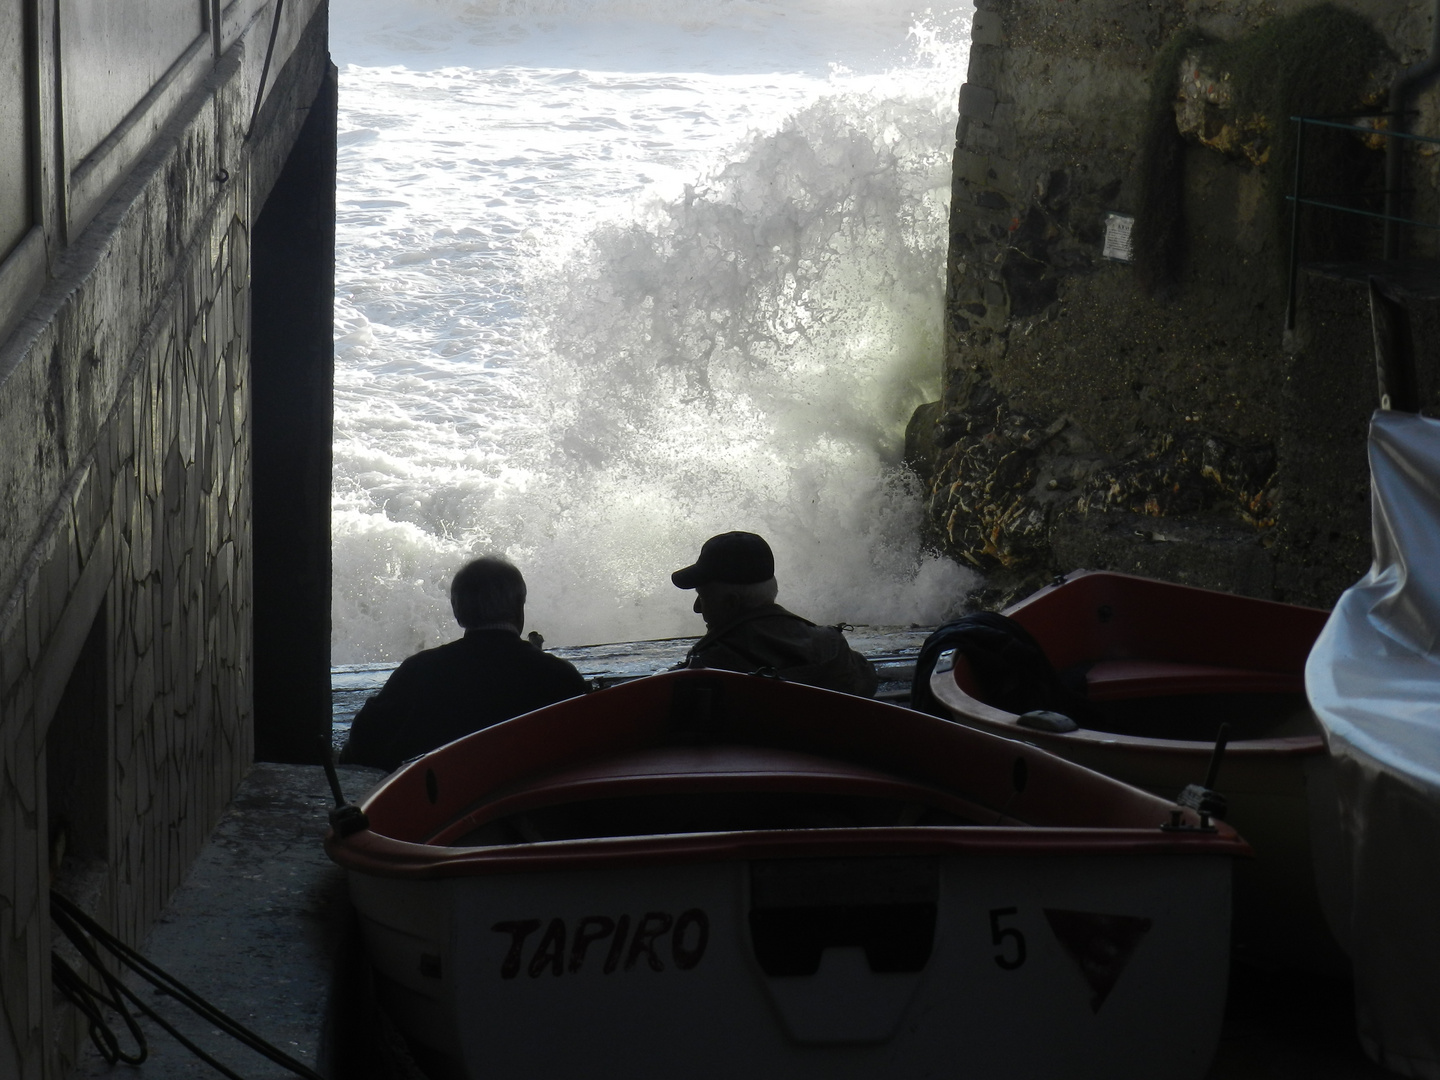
{"points": [[736, 558]]}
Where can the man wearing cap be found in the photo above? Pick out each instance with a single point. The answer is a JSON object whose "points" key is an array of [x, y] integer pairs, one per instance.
{"points": [[735, 590], [487, 676]]}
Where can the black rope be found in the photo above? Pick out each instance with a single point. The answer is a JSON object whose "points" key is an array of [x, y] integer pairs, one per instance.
{"points": [[265, 68], [88, 999], [89, 937]]}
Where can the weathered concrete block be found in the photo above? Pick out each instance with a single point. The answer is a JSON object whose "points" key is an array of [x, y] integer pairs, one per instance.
{"points": [[973, 168], [981, 139], [986, 67], [977, 102], [986, 29]]}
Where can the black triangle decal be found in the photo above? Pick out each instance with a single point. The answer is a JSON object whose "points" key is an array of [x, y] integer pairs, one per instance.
{"points": [[1101, 945]]}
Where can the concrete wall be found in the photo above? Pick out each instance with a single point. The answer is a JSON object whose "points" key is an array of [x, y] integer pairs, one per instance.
{"points": [[126, 446], [1091, 421]]}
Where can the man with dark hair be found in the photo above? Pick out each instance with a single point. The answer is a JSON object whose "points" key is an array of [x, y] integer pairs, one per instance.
{"points": [[489, 675], [735, 590]]}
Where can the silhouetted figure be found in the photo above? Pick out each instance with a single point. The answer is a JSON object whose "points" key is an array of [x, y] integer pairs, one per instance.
{"points": [[489, 675], [735, 590]]}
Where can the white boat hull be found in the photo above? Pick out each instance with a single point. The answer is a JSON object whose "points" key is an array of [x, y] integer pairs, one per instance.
{"points": [[1374, 681], [486, 971]]}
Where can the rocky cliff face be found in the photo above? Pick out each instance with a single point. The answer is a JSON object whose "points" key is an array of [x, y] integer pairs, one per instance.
{"points": [[1102, 417]]}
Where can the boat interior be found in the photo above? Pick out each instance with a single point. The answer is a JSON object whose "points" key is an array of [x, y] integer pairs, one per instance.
{"points": [[1197, 717], [721, 811], [671, 790], [1156, 660], [1178, 700], [712, 753]]}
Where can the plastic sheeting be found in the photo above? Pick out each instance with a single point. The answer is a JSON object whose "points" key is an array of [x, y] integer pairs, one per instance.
{"points": [[1374, 682]]}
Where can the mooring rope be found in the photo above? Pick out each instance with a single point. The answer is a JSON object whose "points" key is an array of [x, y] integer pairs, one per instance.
{"points": [[265, 68], [89, 937]]}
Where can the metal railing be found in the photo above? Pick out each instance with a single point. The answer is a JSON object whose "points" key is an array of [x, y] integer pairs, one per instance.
{"points": [[1355, 125]]}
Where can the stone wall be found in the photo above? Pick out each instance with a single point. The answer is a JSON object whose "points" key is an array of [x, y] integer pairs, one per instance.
{"points": [[126, 527], [1093, 419]]}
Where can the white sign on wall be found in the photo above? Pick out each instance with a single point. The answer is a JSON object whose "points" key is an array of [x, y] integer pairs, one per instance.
{"points": [[1118, 228]]}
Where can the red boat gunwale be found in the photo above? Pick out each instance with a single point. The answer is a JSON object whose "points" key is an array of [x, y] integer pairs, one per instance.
{"points": [[867, 747], [381, 856]]}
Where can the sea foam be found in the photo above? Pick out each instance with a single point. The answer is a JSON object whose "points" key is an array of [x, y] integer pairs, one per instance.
{"points": [[589, 315]]}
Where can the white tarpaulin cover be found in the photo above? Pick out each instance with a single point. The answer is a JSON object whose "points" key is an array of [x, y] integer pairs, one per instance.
{"points": [[1374, 682]]}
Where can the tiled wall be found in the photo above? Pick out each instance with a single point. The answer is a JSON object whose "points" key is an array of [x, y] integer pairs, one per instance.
{"points": [[153, 536], [142, 567]]}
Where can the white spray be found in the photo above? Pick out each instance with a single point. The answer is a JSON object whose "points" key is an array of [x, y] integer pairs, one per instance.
{"points": [[709, 303]]}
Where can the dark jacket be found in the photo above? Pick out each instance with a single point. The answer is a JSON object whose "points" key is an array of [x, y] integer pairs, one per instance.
{"points": [[772, 639], [438, 695]]}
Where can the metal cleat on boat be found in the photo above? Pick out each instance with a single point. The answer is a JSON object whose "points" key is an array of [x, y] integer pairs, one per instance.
{"points": [[1204, 801], [1203, 798]]}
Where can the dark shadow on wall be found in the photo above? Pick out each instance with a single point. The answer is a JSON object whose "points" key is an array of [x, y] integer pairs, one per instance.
{"points": [[79, 766], [292, 381]]}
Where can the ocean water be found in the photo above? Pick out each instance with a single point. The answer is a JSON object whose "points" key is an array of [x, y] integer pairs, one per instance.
{"points": [[616, 275]]}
